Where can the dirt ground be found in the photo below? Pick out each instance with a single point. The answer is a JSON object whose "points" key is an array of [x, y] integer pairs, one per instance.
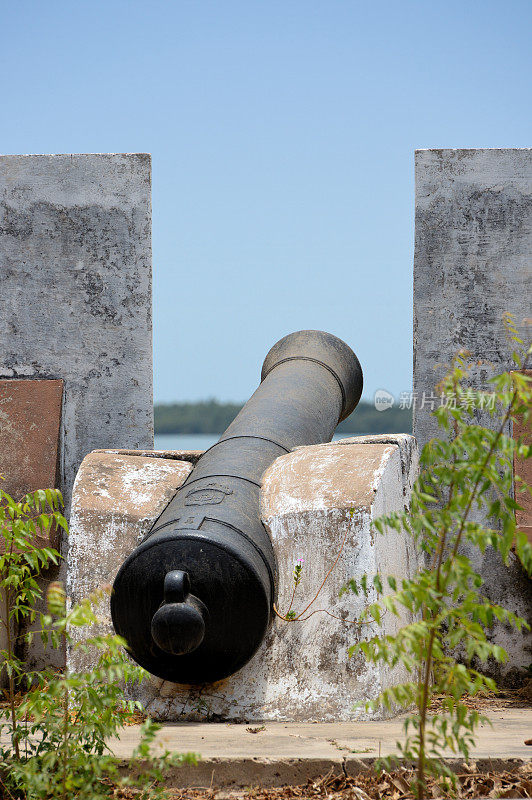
{"points": [[372, 786], [519, 698]]}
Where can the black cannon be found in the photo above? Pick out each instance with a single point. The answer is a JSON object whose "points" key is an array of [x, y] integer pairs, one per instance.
{"points": [[194, 599]]}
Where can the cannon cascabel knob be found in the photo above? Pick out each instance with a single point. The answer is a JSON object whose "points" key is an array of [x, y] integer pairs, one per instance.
{"points": [[178, 626], [195, 598]]}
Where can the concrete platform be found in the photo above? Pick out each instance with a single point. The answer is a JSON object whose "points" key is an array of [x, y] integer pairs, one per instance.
{"points": [[277, 753], [317, 504]]}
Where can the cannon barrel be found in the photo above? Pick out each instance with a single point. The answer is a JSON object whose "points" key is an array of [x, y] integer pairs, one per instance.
{"points": [[194, 599]]}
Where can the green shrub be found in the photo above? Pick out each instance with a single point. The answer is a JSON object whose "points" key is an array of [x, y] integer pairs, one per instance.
{"points": [[466, 476], [59, 735]]}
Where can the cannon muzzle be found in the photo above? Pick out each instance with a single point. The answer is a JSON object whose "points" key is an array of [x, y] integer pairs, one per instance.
{"points": [[194, 599]]}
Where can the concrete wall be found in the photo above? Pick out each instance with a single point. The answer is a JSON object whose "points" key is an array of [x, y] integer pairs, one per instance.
{"points": [[473, 263], [313, 501], [75, 267], [75, 261]]}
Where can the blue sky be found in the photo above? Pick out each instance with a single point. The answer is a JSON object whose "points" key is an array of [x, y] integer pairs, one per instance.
{"points": [[282, 136]]}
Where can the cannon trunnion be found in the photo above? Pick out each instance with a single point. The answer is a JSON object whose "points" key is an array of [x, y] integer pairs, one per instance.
{"points": [[194, 599]]}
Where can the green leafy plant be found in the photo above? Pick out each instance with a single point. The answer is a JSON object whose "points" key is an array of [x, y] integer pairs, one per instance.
{"points": [[60, 732], [465, 480], [22, 523]]}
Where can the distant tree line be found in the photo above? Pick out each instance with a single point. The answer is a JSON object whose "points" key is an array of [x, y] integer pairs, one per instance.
{"points": [[210, 416]]}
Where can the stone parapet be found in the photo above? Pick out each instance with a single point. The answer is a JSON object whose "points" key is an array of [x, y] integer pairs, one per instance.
{"points": [[75, 321], [75, 261], [473, 250], [318, 504]]}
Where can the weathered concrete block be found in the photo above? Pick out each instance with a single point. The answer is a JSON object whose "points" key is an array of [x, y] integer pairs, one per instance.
{"points": [[473, 250], [75, 262], [316, 502], [473, 247]]}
